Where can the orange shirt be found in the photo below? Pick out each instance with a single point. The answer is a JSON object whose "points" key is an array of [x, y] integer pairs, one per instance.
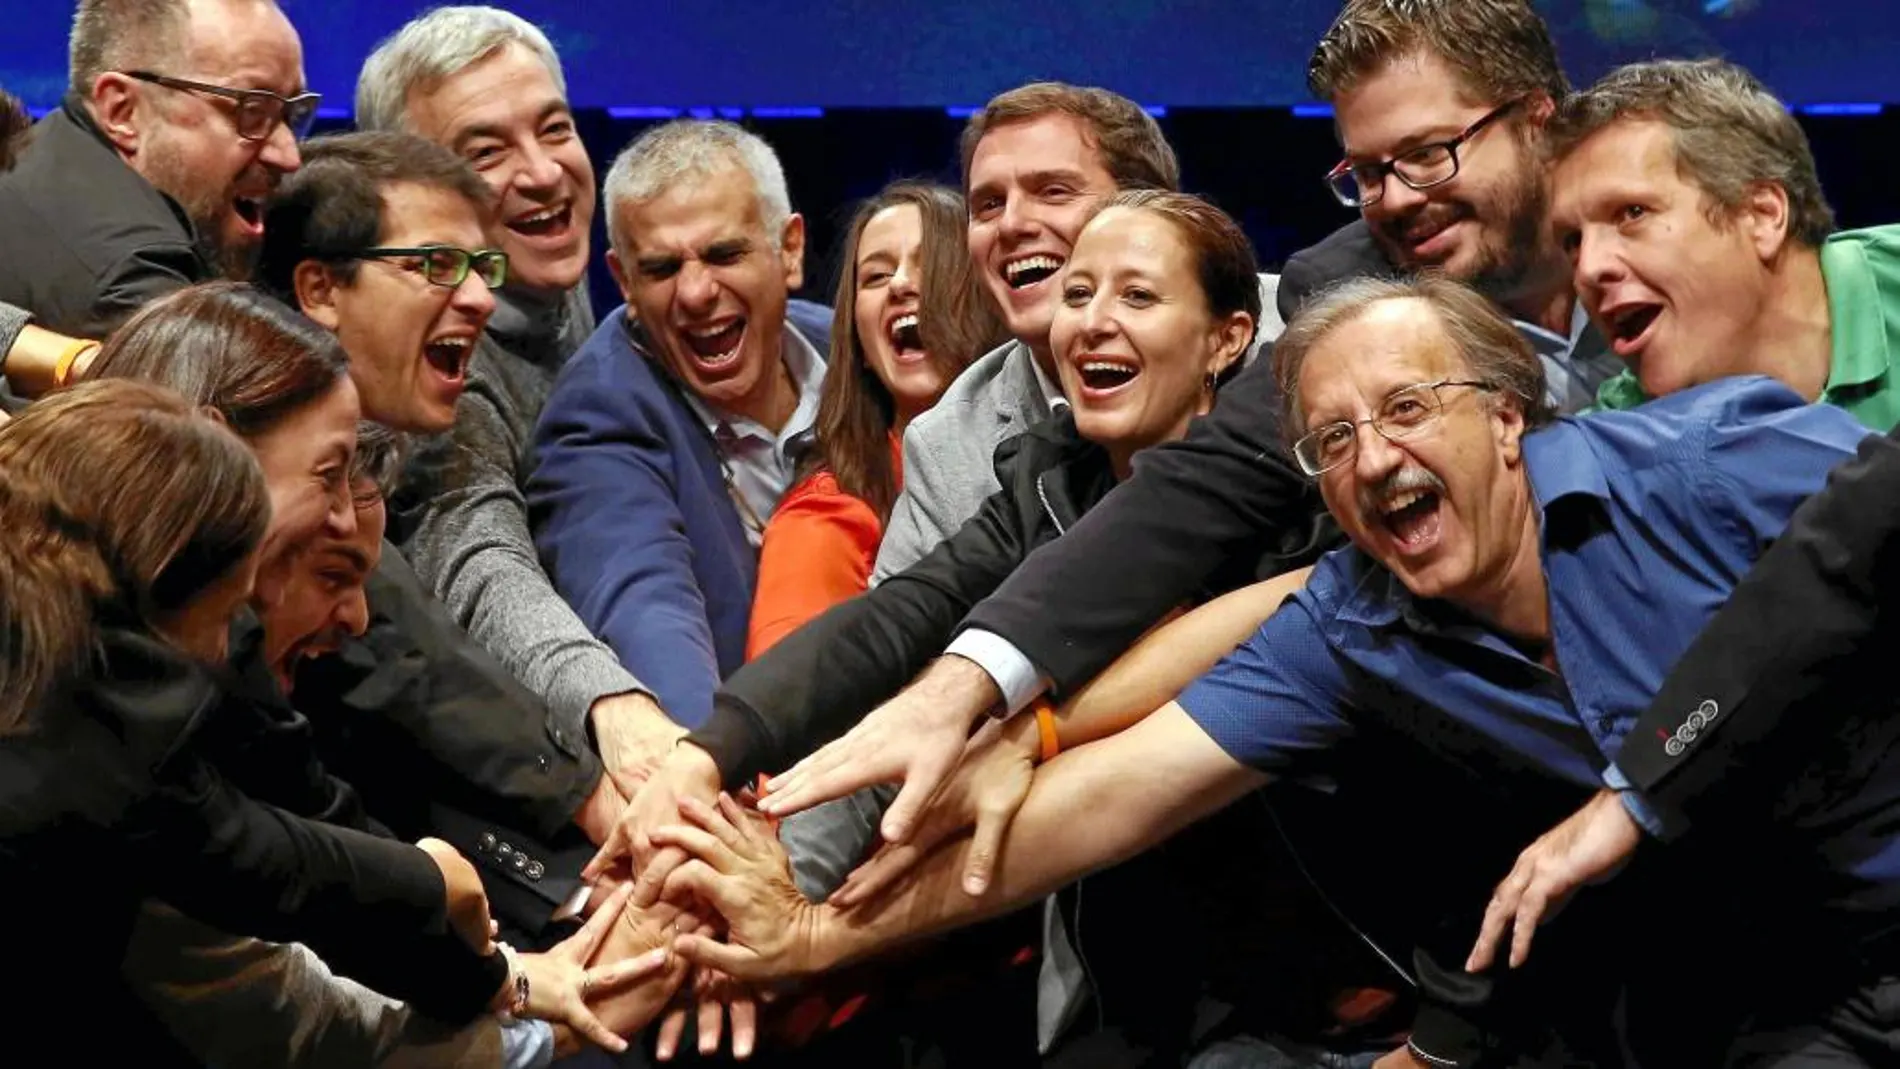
{"points": [[818, 551]]}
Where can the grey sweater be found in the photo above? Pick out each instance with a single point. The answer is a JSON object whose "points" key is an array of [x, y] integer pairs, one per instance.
{"points": [[12, 321], [462, 521]]}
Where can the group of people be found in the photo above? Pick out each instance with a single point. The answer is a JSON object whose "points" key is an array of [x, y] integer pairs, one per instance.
{"points": [[373, 608]]}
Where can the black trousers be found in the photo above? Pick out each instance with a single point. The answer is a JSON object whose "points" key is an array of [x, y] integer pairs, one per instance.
{"points": [[1852, 1024]]}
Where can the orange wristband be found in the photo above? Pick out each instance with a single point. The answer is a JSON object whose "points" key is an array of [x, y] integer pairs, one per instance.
{"points": [[1046, 728], [63, 367]]}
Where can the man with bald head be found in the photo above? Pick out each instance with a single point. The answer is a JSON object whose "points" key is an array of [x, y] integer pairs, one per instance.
{"points": [[180, 120]]}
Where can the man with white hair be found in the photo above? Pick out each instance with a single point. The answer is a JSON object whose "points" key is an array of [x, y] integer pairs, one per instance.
{"points": [[487, 85], [664, 446], [181, 117]]}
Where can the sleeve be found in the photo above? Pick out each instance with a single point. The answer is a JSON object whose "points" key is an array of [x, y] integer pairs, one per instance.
{"points": [[149, 272], [476, 733], [918, 520], [1078, 602], [1801, 633], [817, 552], [296, 1013], [609, 527], [1278, 698], [12, 321], [376, 909], [826, 676], [472, 546]]}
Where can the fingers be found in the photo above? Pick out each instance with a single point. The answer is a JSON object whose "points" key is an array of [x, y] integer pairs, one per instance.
{"points": [[928, 769], [582, 944], [722, 823], [819, 778], [621, 973], [876, 876], [1530, 914], [986, 845], [582, 1020], [745, 1025], [711, 1016], [672, 1027], [704, 845], [709, 954], [1497, 913], [610, 852], [653, 876], [748, 826], [698, 879]]}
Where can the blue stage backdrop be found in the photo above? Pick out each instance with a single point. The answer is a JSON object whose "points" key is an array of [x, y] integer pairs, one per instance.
{"points": [[771, 56]]}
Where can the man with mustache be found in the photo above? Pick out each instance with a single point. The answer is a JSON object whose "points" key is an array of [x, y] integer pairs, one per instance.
{"points": [[488, 86], [181, 118], [1514, 590]]}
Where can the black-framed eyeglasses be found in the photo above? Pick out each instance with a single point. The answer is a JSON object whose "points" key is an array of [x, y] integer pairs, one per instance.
{"points": [[444, 265], [1405, 413], [1357, 185], [255, 112]]}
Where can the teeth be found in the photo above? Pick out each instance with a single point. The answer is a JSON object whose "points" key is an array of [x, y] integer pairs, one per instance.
{"points": [[1030, 263], [1404, 500], [903, 321], [707, 332], [456, 343], [1104, 365], [542, 216]]}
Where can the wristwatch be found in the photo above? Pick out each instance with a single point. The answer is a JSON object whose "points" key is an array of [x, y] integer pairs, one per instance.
{"points": [[515, 991]]}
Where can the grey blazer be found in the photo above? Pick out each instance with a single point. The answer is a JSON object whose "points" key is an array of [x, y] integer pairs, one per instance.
{"points": [[948, 469]]}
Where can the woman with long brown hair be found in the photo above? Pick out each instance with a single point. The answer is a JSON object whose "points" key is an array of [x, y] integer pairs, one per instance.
{"points": [[910, 316]]}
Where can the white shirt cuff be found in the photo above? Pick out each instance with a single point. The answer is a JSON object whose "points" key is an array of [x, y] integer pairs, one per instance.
{"points": [[1015, 674], [526, 1044]]}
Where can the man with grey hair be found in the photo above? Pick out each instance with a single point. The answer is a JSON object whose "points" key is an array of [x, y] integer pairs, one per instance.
{"points": [[487, 85], [1514, 589], [1703, 245], [181, 117], [666, 442]]}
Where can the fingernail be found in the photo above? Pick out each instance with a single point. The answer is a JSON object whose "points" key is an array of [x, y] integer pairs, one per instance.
{"points": [[974, 885]]}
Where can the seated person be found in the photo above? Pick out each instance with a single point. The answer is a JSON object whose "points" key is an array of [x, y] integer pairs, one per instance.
{"points": [[126, 568], [148, 177], [910, 316], [413, 325], [487, 85], [667, 440], [1732, 268], [1044, 155]]}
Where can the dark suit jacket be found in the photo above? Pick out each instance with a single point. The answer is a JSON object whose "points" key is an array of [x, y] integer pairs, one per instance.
{"points": [[106, 801], [1791, 658], [88, 240], [1348, 252]]}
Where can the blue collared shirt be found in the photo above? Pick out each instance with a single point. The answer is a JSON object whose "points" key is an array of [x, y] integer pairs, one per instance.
{"points": [[758, 461], [1648, 519]]}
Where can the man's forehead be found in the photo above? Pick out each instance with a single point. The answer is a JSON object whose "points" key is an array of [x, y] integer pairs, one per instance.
{"points": [[412, 206], [244, 44], [1389, 345], [694, 213], [472, 101], [1052, 141]]}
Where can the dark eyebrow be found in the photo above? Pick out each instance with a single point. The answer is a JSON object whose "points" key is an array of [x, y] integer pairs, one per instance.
{"points": [[1431, 135], [646, 265], [876, 256], [1038, 178], [726, 247]]}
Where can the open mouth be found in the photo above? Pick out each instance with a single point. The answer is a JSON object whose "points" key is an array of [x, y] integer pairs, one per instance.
{"points": [[1423, 234], [716, 346], [906, 338], [448, 357], [1629, 326], [1026, 272], [545, 222], [250, 211], [1412, 518], [1100, 377]]}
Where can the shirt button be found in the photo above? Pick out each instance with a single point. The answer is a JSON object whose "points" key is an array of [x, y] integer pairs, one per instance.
{"points": [[486, 842], [1605, 725], [521, 862], [536, 870], [504, 851], [542, 760]]}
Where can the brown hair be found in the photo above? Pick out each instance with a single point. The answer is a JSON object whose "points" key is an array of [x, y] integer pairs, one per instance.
{"points": [[1730, 134], [15, 126], [230, 347], [1495, 352], [1224, 262], [1134, 151], [332, 206], [121, 504], [1500, 49], [957, 323]]}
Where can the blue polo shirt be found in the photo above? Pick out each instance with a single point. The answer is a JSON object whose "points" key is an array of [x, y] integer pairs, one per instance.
{"points": [[1648, 518]]}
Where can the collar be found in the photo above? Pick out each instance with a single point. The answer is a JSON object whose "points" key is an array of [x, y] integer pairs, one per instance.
{"points": [[1053, 399], [807, 369], [1858, 340], [536, 329], [1549, 342]]}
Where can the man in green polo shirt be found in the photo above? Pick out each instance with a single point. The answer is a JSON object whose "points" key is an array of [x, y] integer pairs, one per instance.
{"points": [[1686, 197]]}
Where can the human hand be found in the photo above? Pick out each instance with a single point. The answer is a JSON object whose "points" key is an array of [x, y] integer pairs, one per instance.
{"points": [[740, 871], [715, 996], [467, 901], [634, 933], [985, 791], [688, 772], [598, 814], [561, 985], [1590, 846], [634, 735], [1403, 1058], [916, 738]]}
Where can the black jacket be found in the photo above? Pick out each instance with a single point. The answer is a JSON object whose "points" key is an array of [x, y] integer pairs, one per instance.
{"points": [[88, 240], [107, 802]]}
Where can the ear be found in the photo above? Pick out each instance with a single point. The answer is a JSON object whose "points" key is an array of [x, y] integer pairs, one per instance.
{"points": [[1230, 341], [1764, 215], [115, 106], [619, 271], [1507, 420], [1538, 110], [791, 247], [316, 289]]}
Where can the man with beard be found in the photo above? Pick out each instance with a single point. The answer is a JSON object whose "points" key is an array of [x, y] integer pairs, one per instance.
{"points": [[1440, 105], [151, 175], [488, 86]]}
